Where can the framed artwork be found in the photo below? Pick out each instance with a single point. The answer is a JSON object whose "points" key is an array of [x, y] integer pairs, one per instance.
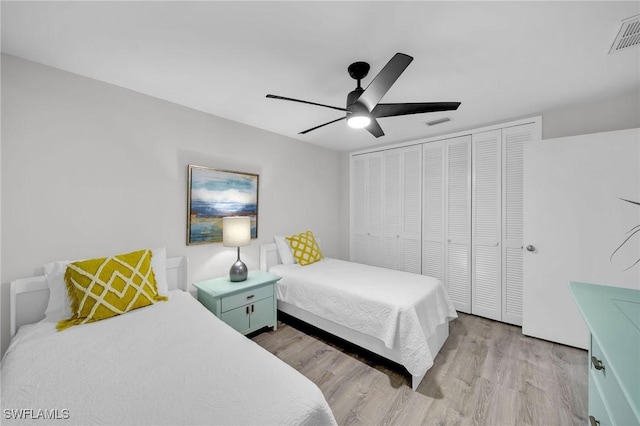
{"points": [[213, 194]]}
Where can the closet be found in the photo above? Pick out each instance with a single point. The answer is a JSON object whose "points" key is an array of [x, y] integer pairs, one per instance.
{"points": [[386, 208], [458, 217]]}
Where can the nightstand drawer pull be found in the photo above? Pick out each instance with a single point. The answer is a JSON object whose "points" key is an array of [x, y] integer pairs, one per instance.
{"points": [[251, 296], [597, 364], [593, 421]]}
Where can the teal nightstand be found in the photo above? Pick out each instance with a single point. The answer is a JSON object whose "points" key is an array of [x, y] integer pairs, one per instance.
{"points": [[247, 305]]}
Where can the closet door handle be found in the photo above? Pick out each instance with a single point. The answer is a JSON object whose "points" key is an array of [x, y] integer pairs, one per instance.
{"points": [[531, 248]]}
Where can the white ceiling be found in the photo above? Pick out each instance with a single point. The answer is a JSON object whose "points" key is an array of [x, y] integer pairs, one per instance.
{"points": [[502, 60]]}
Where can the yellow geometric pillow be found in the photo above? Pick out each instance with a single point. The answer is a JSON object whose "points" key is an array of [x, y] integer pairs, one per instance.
{"points": [[105, 287], [305, 249]]}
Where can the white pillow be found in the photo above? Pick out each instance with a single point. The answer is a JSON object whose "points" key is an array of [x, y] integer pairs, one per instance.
{"points": [[159, 266], [59, 306], [286, 256]]}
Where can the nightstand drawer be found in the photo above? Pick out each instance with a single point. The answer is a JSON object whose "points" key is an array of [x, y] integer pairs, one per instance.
{"points": [[249, 296], [608, 386]]}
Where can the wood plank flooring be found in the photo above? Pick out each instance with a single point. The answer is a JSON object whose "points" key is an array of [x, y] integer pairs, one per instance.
{"points": [[487, 373]]}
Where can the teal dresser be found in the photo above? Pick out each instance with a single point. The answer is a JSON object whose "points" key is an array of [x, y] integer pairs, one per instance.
{"points": [[247, 305], [613, 317]]}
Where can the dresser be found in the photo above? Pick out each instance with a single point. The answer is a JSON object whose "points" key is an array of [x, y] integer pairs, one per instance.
{"points": [[612, 315], [247, 305]]}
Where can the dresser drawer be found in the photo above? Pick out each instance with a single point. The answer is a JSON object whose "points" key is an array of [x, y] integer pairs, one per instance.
{"points": [[619, 410], [597, 408], [245, 297]]}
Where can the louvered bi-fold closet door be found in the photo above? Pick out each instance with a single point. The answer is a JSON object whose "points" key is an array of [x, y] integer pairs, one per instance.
{"points": [[392, 213], [486, 225], [458, 222], [402, 209], [411, 254], [433, 209], [358, 240], [513, 139], [375, 209]]}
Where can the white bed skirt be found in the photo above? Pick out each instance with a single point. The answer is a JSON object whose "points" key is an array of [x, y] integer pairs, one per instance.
{"points": [[435, 341]]}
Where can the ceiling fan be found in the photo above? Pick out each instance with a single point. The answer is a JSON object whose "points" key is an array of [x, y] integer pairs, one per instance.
{"points": [[363, 107]]}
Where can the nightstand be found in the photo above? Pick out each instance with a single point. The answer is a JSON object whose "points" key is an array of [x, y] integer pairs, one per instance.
{"points": [[247, 305]]}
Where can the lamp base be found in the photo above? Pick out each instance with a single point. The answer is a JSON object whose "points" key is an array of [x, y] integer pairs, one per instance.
{"points": [[238, 271]]}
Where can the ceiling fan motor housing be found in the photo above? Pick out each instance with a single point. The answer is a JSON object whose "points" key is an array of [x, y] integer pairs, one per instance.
{"points": [[353, 96]]}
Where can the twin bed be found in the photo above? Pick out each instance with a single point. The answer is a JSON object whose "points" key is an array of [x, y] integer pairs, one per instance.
{"points": [[175, 363], [401, 316], [169, 363]]}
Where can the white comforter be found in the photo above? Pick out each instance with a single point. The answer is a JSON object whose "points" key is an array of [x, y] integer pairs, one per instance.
{"points": [[172, 363], [399, 308]]}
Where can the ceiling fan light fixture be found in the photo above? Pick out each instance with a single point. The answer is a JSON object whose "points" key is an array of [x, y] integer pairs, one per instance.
{"points": [[358, 121], [358, 116]]}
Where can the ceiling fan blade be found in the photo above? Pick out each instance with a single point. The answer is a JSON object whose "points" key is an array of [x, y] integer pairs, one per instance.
{"points": [[384, 80], [391, 110], [322, 125], [304, 102], [374, 128]]}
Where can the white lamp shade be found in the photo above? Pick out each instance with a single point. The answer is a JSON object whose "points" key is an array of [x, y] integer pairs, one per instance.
{"points": [[236, 231]]}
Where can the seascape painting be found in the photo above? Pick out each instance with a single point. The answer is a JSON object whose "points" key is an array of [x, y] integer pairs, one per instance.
{"points": [[214, 194]]}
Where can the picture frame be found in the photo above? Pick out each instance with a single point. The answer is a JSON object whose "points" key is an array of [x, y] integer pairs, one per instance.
{"points": [[213, 194]]}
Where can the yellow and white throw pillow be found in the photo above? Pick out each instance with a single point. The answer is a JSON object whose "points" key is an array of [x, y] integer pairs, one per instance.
{"points": [[305, 249], [106, 287]]}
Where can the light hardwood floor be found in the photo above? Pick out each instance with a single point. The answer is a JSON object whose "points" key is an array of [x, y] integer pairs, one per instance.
{"points": [[487, 373]]}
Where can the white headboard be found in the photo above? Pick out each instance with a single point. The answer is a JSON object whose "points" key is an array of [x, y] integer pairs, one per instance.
{"points": [[30, 296], [268, 256]]}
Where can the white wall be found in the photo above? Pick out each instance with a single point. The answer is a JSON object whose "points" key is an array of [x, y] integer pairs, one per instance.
{"points": [[91, 169]]}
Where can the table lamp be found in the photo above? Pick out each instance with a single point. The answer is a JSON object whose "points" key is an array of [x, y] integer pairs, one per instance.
{"points": [[236, 232]]}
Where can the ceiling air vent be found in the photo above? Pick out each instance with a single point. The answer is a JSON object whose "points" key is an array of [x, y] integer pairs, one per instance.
{"points": [[628, 36], [437, 121]]}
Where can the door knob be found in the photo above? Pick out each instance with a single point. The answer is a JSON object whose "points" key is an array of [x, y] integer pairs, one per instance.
{"points": [[531, 248]]}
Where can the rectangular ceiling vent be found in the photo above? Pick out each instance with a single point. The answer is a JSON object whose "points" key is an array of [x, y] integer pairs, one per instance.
{"points": [[628, 36], [437, 121]]}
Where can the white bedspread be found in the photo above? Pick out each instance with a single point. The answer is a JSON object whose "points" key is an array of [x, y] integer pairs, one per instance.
{"points": [[399, 308], [172, 363]]}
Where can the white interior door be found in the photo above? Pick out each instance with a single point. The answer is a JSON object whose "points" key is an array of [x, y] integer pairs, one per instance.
{"points": [[573, 221], [392, 213], [375, 244], [486, 225], [458, 222], [358, 240], [433, 209], [411, 252], [513, 140]]}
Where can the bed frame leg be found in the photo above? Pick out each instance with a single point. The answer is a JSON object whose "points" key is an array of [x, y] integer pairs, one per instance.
{"points": [[415, 381]]}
